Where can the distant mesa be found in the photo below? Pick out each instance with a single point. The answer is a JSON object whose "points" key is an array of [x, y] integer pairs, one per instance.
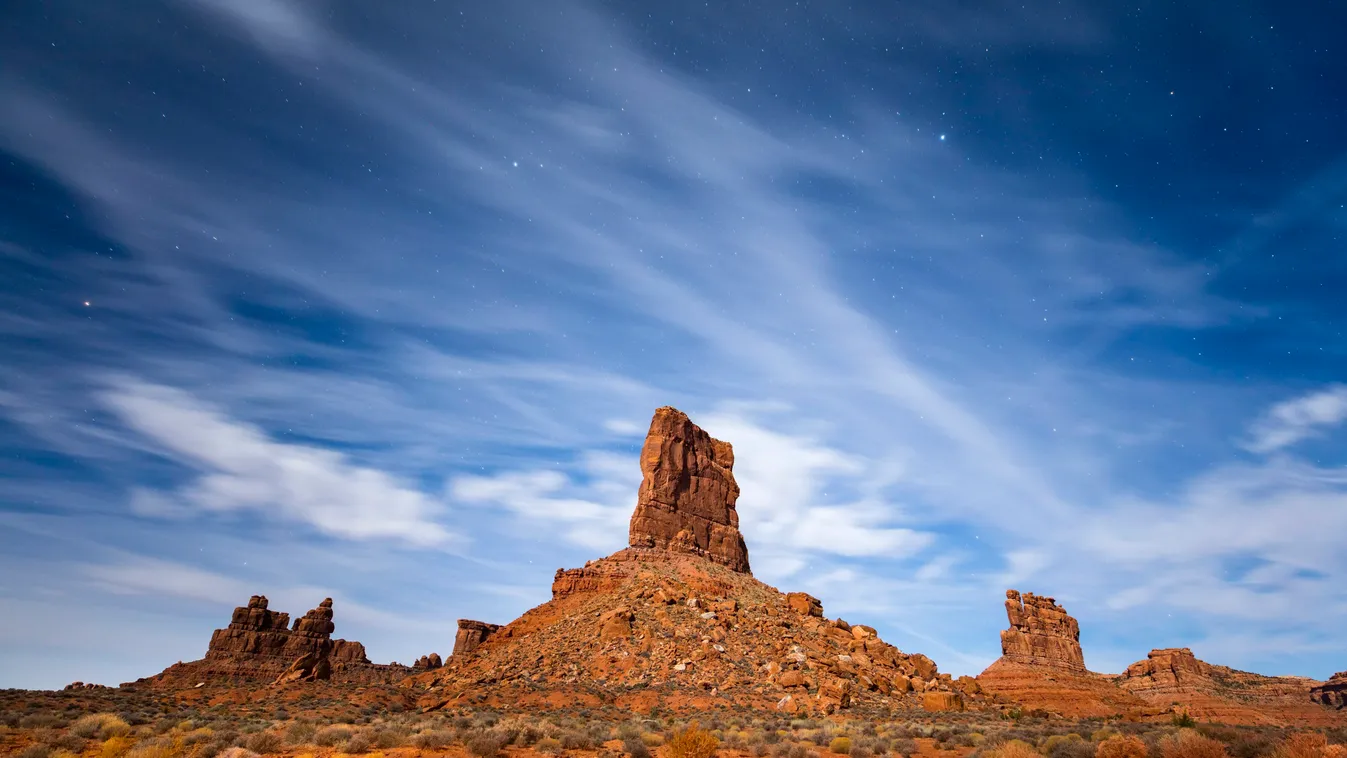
{"points": [[1042, 667]]}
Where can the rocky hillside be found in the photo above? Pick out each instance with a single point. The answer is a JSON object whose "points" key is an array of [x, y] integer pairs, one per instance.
{"points": [[677, 619]]}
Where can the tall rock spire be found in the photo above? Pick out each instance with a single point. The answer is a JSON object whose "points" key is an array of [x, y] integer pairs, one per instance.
{"points": [[687, 495]]}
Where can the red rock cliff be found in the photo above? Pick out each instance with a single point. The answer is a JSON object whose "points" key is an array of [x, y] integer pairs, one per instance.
{"points": [[687, 495], [1041, 633]]}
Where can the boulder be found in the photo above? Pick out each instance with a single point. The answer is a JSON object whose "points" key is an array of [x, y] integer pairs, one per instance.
{"points": [[942, 701]]}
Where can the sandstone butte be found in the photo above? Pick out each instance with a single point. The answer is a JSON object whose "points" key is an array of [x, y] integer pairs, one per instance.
{"points": [[1042, 667], [677, 619]]}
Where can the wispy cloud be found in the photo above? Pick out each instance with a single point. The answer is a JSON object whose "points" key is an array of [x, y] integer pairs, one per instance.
{"points": [[242, 469], [1291, 421]]}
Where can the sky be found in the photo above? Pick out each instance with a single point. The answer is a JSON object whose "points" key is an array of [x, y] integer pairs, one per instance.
{"points": [[374, 301]]}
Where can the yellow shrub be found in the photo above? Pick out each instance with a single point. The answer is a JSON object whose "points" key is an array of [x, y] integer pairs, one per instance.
{"points": [[693, 743], [1302, 745], [1335, 751], [1189, 744], [115, 747], [1103, 733], [157, 749], [651, 739], [1119, 746], [1016, 749], [841, 745], [100, 726]]}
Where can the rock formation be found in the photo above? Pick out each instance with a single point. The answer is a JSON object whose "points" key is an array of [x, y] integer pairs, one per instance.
{"points": [[687, 495], [428, 662], [677, 621], [470, 635], [1041, 633], [1332, 693], [1176, 679], [260, 645], [1042, 666]]}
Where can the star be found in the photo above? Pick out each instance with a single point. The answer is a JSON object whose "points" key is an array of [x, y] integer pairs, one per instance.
{"points": [[942, 138], [86, 303]]}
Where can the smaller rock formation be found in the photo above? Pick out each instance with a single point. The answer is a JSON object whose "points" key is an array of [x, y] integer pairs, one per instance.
{"points": [[1041, 633], [470, 635], [428, 662], [260, 645], [687, 495], [1332, 693]]}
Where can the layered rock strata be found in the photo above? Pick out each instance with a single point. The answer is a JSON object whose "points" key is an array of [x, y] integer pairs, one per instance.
{"points": [[1041, 633], [1175, 679], [1042, 666], [686, 502], [1332, 693]]}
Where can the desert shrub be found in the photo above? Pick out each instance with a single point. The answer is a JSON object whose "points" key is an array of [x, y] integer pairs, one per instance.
{"points": [[1183, 720], [332, 736], [1078, 748], [1014, 749], [574, 739], [390, 737], [906, 747], [157, 748], [34, 751], [434, 739], [42, 721], [100, 726], [71, 743], [359, 744], [548, 745], [1302, 745], [264, 743], [237, 752], [114, 747], [1104, 733], [840, 745], [1335, 750], [300, 733], [651, 739], [789, 750], [1189, 744], [486, 743], [635, 747], [872, 745], [1120, 746], [1251, 744], [692, 743]]}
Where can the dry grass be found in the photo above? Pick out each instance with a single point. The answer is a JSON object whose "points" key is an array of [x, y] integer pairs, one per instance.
{"points": [[100, 726], [1121, 746], [1190, 744]]}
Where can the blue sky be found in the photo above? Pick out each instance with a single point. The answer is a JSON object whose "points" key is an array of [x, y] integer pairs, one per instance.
{"points": [[375, 302]]}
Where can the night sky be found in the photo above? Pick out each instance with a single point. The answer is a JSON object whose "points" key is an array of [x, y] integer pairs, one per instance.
{"points": [[374, 300]]}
